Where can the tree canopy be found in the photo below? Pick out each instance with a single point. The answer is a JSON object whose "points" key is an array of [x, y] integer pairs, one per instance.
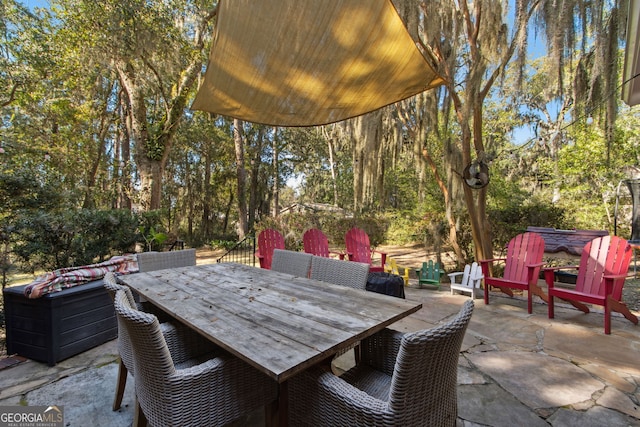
{"points": [[95, 97]]}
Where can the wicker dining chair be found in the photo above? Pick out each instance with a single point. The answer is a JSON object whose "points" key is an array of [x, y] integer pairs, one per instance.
{"points": [[124, 345], [403, 380], [291, 262], [346, 273], [211, 390], [151, 261], [183, 343]]}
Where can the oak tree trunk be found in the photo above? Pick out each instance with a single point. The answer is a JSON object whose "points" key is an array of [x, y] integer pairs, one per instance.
{"points": [[241, 176]]}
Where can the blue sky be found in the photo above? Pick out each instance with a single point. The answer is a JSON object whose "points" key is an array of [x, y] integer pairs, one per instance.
{"points": [[36, 3]]}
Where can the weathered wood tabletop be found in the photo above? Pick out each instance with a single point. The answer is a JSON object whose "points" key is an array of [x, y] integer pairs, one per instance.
{"points": [[278, 323]]}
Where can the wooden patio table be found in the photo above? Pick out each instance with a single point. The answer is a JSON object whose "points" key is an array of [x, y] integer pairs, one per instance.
{"points": [[278, 323]]}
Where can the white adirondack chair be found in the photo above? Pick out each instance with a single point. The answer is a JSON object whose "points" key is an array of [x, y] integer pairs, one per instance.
{"points": [[470, 279]]}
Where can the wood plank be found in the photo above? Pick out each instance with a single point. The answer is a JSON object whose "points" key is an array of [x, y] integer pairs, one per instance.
{"points": [[278, 323], [224, 328], [339, 299], [326, 291]]}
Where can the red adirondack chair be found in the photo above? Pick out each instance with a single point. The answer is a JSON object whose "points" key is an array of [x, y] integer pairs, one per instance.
{"points": [[603, 268], [268, 240], [521, 270], [315, 242], [359, 249]]}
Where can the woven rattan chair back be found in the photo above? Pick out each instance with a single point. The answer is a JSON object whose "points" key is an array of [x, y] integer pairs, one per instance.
{"points": [[151, 261], [404, 379], [112, 286], [147, 341], [345, 273], [291, 262], [152, 359], [425, 375]]}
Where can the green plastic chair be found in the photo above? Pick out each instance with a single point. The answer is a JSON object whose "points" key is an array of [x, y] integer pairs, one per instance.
{"points": [[429, 274]]}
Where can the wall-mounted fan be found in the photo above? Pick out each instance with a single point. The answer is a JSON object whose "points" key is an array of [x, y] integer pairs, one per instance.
{"points": [[476, 175]]}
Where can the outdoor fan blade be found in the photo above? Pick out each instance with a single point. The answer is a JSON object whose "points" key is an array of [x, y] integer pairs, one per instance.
{"points": [[476, 175]]}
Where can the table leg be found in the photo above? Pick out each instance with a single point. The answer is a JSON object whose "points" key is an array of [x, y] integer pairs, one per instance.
{"points": [[277, 413]]}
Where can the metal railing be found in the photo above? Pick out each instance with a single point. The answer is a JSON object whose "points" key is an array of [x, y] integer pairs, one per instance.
{"points": [[242, 252], [175, 245]]}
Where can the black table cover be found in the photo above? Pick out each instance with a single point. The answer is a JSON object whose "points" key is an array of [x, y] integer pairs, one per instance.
{"points": [[386, 283]]}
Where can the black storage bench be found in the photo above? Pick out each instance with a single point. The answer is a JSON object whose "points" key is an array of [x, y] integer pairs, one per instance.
{"points": [[58, 325]]}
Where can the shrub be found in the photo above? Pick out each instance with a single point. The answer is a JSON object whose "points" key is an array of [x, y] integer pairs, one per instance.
{"points": [[151, 229], [48, 241], [515, 218]]}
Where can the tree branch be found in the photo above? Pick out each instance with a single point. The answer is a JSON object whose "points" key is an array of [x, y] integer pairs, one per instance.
{"points": [[12, 95], [522, 26]]}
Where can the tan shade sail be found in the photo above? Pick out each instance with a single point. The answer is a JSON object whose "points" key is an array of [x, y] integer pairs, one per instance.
{"points": [[310, 62]]}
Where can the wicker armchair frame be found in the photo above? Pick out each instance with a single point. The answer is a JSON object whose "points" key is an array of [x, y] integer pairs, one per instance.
{"points": [[213, 389], [346, 273], [403, 380], [183, 343]]}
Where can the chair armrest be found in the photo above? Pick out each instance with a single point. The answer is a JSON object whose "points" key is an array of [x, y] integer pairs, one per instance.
{"points": [[565, 267], [406, 270], [532, 278], [184, 343], [550, 276], [615, 276], [231, 378], [261, 259], [322, 398], [341, 391], [610, 281], [454, 276], [383, 256], [484, 265], [206, 366]]}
